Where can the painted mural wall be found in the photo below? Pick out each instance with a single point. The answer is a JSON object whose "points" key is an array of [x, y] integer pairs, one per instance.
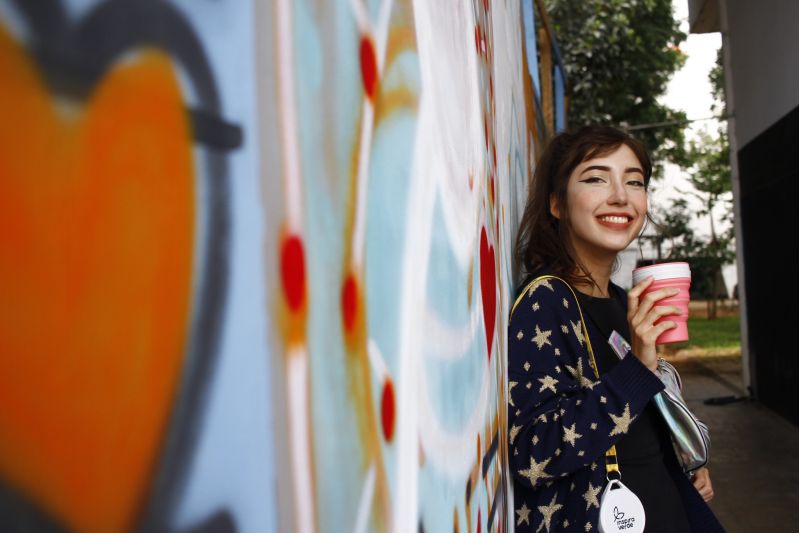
{"points": [[255, 262]]}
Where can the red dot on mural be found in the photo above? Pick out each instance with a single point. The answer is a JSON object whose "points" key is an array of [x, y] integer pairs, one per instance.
{"points": [[387, 410], [349, 302], [293, 272], [369, 66]]}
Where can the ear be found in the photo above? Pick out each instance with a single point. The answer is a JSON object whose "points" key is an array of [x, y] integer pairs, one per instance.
{"points": [[554, 206]]}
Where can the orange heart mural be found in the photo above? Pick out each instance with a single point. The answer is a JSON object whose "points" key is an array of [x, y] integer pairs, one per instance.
{"points": [[97, 230]]}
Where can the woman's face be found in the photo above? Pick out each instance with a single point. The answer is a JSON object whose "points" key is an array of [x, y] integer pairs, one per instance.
{"points": [[606, 204]]}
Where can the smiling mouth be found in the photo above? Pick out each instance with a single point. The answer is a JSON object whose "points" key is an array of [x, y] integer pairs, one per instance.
{"points": [[615, 220]]}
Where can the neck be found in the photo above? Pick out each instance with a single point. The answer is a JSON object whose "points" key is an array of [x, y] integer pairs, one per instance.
{"points": [[600, 271]]}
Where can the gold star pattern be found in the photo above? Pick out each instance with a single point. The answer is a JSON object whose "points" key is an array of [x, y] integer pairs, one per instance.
{"points": [[562, 411], [565, 303], [511, 385], [541, 283], [535, 440], [557, 351], [577, 329], [621, 422], [520, 335], [548, 382], [542, 418], [528, 385], [593, 425], [577, 373], [523, 513], [558, 452], [578, 402], [513, 433], [558, 369], [542, 337], [564, 328], [535, 306], [555, 417], [591, 496], [588, 526], [581, 453], [547, 513], [594, 467], [566, 523], [526, 366], [536, 471], [570, 435], [518, 412], [603, 399]]}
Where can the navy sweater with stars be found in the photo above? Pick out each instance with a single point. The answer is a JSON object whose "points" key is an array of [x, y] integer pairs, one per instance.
{"points": [[562, 417]]}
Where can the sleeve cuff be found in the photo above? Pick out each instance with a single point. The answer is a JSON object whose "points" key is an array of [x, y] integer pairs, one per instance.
{"points": [[634, 380]]}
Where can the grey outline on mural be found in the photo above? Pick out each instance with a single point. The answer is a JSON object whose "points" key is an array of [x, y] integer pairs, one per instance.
{"points": [[73, 57]]}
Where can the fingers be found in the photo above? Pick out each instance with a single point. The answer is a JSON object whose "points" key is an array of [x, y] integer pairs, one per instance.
{"points": [[646, 304], [648, 330], [634, 293], [637, 289], [702, 482]]}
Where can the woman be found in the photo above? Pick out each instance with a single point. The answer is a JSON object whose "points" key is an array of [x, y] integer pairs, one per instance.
{"points": [[569, 403]]}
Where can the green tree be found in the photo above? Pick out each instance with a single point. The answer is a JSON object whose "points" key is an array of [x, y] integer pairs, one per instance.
{"points": [[619, 56], [710, 176], [706, 161]]}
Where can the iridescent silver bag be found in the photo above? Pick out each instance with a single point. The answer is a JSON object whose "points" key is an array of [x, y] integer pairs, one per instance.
{"points": [[689, 435]]}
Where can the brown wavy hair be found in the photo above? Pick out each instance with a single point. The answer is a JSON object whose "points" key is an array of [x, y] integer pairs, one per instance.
{"points": [[542, 240]]}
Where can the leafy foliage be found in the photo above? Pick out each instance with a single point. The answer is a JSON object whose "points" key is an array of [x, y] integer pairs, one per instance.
{"points": [[706, 160], [619, 56]]}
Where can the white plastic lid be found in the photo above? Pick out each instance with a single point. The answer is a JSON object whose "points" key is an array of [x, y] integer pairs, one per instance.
{"points": [[662, 271]]}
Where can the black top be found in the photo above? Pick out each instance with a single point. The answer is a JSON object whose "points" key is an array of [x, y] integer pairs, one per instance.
{"points": [[642, 451]]}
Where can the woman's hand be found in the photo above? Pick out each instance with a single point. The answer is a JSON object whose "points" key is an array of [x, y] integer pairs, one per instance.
{"points": [[641, 317], [702, 482]]}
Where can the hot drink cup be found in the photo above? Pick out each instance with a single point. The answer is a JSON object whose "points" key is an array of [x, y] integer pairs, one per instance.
{"points": [[674, 275]]}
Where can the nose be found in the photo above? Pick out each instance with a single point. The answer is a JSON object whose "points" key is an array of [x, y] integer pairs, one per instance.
{"points": [[618, 195]]}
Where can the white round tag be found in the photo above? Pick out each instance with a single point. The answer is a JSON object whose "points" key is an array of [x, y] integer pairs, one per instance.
{"points": [[620, 510]]}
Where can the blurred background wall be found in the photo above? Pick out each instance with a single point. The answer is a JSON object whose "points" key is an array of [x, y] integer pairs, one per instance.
{"points": [[256, 260]]}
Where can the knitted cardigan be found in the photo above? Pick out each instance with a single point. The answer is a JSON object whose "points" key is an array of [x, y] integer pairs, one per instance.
{"points": [[563, 418]]}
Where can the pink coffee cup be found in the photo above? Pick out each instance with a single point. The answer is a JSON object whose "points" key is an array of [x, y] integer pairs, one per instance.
{"points": [[679, 276]]}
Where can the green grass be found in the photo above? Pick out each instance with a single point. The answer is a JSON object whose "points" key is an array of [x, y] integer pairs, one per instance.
{"points": [[722, 333]]}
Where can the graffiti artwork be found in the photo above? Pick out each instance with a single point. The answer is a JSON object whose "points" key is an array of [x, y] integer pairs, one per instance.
{"points": [[257, 262]]}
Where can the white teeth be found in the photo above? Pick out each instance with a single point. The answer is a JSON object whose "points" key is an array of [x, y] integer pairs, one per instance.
{"points": [[615, 220]]}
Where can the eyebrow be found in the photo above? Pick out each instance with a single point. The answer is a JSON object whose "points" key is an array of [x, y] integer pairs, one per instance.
{"points": [[608, 169]]}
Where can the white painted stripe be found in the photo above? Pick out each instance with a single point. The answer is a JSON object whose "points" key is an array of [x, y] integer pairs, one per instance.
{"points": [[300, 446], [288, 109], [361, 15], [365, 505], [362, 175]]}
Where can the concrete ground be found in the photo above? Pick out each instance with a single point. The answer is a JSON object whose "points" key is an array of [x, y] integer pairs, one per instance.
{"points": [[754, 452]]}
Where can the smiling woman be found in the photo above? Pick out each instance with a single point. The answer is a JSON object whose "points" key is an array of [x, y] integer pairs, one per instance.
{"points": [[579, 416]]}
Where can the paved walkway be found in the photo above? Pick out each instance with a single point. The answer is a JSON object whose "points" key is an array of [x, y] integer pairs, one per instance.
{"points": [[754, 452]]}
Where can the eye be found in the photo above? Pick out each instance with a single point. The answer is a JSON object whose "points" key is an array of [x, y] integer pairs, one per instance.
{"points": [[639, 184], [593, 179]]}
